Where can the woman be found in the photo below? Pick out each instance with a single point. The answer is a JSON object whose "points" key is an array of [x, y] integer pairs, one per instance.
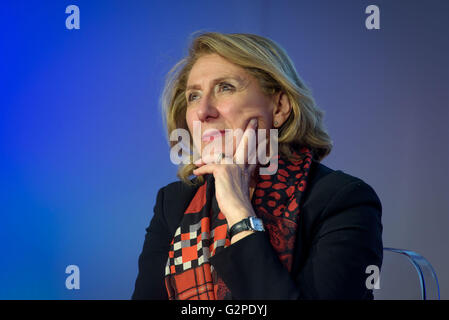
{"points": [[303, 231]]}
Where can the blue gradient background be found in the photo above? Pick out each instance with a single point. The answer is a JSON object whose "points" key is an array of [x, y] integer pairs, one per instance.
{"points": [[83, 151]]}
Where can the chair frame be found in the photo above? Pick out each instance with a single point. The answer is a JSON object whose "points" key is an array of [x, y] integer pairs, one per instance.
{"points": [[423, 268]]}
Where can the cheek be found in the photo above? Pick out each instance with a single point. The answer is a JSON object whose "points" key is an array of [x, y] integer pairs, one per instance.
{"points": [[264, 112], [190, 117], [256, 108], [239, 112], [231, 109]]}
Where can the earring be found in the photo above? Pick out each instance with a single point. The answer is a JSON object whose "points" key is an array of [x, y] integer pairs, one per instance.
{"points": [[275, 123]]}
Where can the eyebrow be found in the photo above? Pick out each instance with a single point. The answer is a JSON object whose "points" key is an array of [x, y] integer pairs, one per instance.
{"points": [[239, 79]]}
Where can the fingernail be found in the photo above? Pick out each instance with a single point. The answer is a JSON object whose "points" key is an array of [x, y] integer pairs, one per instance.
{"points": [[253, 122]]}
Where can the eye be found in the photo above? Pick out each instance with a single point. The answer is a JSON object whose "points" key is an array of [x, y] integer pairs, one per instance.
{"points": [[224, 86], [192, 96], [221, 87]]}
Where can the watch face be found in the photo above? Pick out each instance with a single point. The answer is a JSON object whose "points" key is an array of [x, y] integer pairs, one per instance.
{"points": [[256, 224]]}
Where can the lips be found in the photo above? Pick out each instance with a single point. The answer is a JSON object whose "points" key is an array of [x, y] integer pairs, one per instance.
{"points": [[210, 134]]}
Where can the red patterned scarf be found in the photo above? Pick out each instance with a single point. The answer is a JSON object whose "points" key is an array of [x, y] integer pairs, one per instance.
{"points": [[203, 230]]}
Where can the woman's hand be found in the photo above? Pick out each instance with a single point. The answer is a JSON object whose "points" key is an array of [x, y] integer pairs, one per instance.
{"points": [[232, 183]]}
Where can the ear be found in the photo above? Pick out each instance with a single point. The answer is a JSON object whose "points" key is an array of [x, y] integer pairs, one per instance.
{"points": [[282, 109]]}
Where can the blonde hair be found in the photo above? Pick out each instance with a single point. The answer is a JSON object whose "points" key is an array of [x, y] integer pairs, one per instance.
{"points": [[270, 65]]}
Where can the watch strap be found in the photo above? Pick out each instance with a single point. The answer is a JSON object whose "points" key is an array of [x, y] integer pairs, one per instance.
{"points": [[238, 227], [250, 223]]}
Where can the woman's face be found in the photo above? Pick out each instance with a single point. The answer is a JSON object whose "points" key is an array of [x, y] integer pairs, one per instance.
{"points": [[221, 95]]}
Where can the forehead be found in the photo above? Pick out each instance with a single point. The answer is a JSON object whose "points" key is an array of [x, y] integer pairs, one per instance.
{"points": [[211, 66]]}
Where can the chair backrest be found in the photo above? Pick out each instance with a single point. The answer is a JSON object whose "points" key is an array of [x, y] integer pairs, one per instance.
{"points": [[407, 275]]}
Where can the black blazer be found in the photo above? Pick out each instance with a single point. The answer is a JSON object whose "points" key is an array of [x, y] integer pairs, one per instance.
{"points": [[339, 235]]}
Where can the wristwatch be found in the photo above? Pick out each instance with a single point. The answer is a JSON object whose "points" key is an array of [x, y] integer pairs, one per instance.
{"points": [[250, 223]]}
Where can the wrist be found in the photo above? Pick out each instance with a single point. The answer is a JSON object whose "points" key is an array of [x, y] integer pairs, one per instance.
{"points": [[251, 224], [241, 235], [239, 217]]}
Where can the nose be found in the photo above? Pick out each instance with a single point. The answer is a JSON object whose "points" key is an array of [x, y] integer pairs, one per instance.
{"points": [[206, 109]]}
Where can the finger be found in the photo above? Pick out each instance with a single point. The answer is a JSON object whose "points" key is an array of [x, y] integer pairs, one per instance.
{"points": [[226, 159], [222, 158], [262, 144], [209, 168], [199, 163], [209, 158], [250, 145], [248, 140], [251, 148]]}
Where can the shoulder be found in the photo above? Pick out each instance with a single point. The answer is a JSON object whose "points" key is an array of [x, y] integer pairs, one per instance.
{"points": [[172, 200], [177, 188], [330, 190]]}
